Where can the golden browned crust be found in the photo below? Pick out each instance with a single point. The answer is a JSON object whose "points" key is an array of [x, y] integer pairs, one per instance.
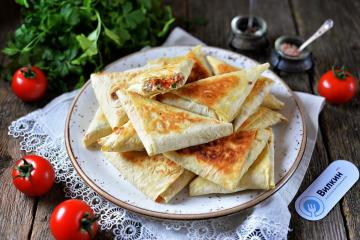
{"points": [[135, 157], [209, 94], [163, 119], [199, 71], [226, 68], [166, 122], [223, 153], [160, 199], [259, 85], [125, 130]]}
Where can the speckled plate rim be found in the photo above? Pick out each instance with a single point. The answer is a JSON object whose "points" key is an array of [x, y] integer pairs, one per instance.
{"points": [[261, 197]]}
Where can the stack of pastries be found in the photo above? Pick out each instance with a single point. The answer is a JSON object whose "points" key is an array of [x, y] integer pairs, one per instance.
{"points": [[191, 120]]}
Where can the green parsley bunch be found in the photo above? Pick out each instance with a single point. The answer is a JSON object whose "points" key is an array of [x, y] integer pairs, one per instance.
{"points": [[70, 39]]}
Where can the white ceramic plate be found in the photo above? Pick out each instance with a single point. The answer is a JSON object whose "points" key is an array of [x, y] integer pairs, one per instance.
{"points": [[107, 181]]}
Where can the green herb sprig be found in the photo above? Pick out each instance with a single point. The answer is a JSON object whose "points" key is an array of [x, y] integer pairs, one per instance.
{"points": [[70, 39]]}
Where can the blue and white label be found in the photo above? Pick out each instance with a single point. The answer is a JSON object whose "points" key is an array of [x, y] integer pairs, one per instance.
{"points": [[323, 194]]}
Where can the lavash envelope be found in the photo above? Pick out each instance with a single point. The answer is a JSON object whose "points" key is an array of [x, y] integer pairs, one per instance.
{"points": [[123, 139], [137, 80], [162, 77], [253, 100], [186, 104], [223, 161], [270, 101], [163, 128], [222, 95], [104, 86], [220, 67], [200, 69], [98, 128], [157, 177], [262, 118], [259, 176]]}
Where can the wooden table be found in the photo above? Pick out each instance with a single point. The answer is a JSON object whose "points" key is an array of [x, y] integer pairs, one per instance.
{"points": [[339, 134]]}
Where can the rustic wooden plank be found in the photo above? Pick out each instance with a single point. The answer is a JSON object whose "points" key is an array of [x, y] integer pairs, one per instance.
{"points": [[9, 19], [340, 124], [220, 13], [16, 210], [45, 206], [180, 12]]}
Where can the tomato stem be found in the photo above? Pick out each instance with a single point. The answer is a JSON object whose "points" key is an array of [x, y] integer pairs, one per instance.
{"points": [[25, 169], [339, 73], [86, 223], [28, 73]]}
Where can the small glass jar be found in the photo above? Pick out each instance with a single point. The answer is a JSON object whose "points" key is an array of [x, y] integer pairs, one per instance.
{"points": [[246, 39], [289, 63]]}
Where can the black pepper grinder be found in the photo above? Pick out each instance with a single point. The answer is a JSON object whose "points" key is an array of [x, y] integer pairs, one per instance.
{"points": [[245, 39], [248, 33]]}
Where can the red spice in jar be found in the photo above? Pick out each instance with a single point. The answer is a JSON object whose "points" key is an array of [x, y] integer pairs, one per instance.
{"points": [[290, 49]]}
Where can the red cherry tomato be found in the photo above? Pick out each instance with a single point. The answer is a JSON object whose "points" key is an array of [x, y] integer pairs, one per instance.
{"points": [[33, 175], [73, 219], [337, 86], [29, 83]]}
